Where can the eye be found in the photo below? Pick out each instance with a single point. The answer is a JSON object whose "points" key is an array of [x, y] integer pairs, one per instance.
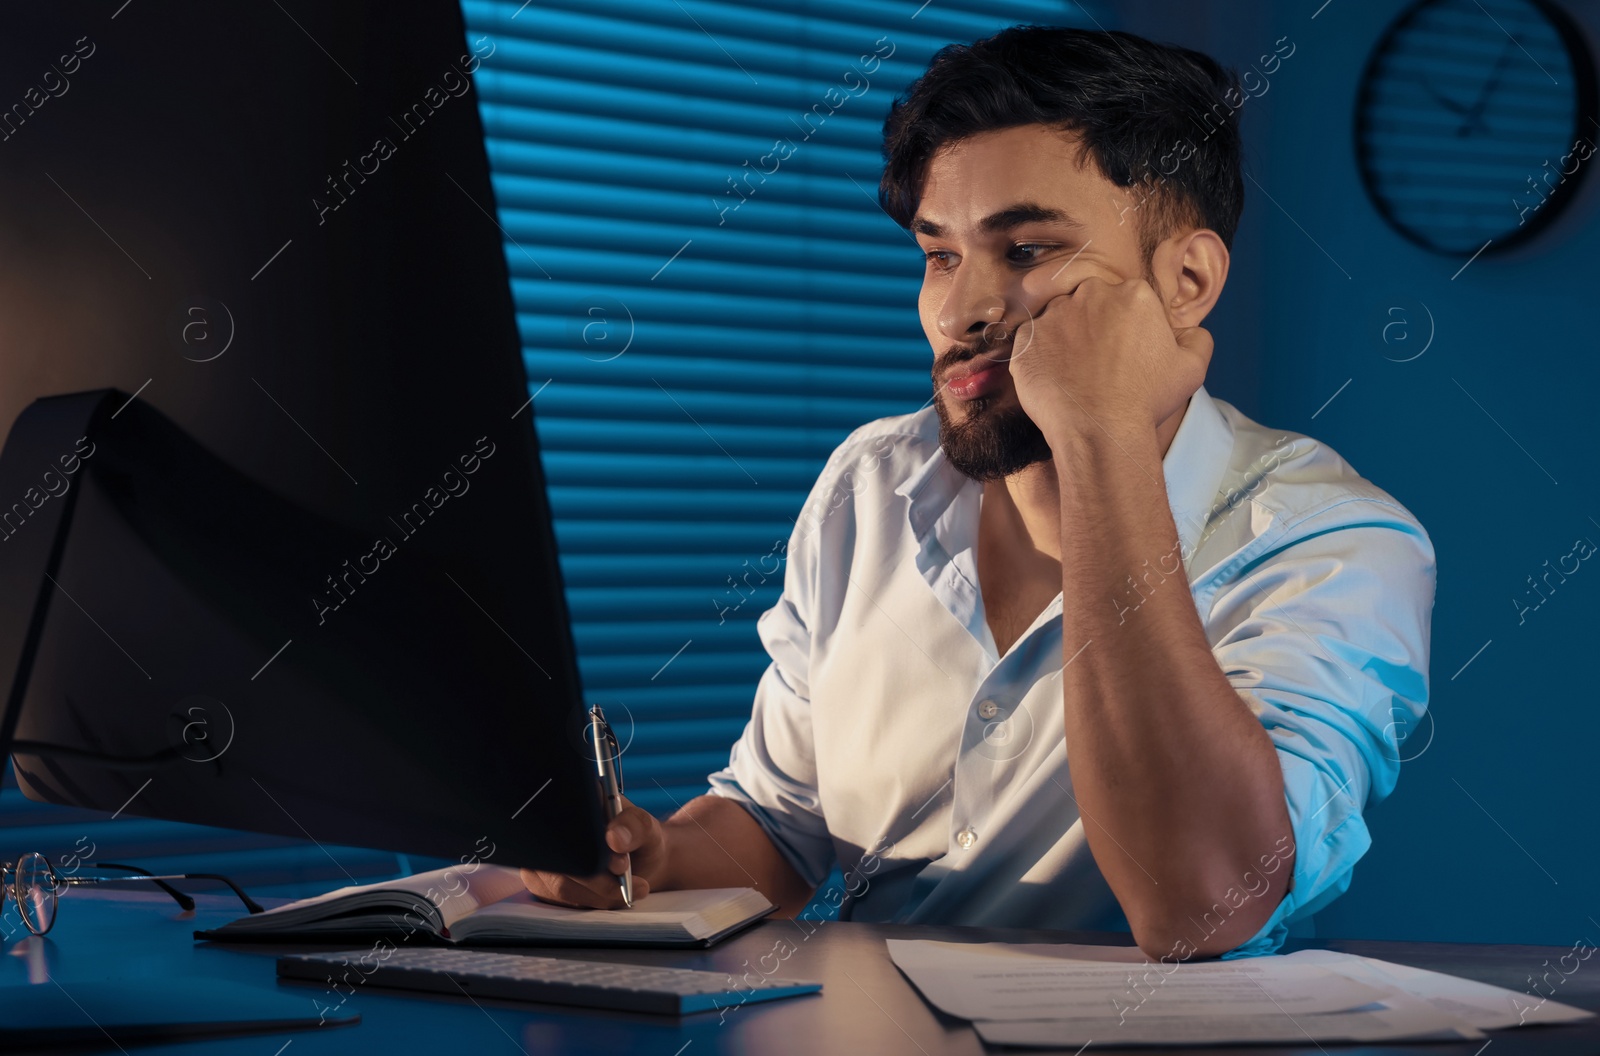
{"points": [[938, 259], [1030, 252]]}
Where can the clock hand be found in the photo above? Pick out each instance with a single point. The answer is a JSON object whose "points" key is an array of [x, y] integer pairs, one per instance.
{"points": [[1475, 111], [1443, 100]]}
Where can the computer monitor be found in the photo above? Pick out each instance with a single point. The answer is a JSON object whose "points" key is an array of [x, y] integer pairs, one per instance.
{"points": [[293, 569]]}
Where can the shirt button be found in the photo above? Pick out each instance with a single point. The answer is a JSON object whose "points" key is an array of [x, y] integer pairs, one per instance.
{"points": [[988, 709], [966, 838]]}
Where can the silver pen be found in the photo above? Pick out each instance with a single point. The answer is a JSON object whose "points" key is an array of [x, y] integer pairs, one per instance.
{"points": [[608, 759]]}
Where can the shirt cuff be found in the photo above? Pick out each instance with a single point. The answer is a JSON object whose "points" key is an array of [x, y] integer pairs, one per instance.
{"points": [[812, 863]]}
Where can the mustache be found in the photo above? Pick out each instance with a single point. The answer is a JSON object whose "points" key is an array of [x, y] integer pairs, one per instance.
{"points": [[961, 353]]}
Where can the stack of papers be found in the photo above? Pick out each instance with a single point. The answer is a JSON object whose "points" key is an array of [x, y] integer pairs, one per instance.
{"points": [[1069, 995]]}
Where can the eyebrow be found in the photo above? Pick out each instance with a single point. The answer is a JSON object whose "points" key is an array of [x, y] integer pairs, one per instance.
{"points": [[1012, 216]]}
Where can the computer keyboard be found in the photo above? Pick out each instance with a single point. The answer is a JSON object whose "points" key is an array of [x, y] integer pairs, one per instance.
{"points": [[562, 981]]}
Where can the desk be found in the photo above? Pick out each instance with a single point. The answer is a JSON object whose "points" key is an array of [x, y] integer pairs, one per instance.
{"points": [[866, 1005]]}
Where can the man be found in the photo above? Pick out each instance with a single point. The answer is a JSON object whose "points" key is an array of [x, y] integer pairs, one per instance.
{"points": [[1078, 646]]}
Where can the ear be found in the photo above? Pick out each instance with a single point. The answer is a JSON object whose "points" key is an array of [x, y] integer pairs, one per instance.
{"points": [[1190, 270]]}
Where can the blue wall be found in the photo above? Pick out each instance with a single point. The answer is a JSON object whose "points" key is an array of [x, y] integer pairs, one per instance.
{"points": [[1488, 836]]}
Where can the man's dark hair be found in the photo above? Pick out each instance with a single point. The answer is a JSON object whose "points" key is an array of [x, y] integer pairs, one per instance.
{"points": [[1138, 107]]}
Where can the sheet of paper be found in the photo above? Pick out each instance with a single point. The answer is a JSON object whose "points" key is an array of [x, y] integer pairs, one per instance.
{"points": [[1480, 1004], [997, 981], [1397, 1018]]}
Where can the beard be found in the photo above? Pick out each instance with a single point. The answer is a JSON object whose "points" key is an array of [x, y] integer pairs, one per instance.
{"points": [[989, 442]]}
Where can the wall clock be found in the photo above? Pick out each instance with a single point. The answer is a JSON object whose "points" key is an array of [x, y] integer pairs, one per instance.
{"points": [[1475, 121]]}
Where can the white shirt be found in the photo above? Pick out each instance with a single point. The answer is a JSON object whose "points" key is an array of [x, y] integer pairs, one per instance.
{"points": [[888, 735]]}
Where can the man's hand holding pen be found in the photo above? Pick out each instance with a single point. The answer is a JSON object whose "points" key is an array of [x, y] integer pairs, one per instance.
{"points": [[635, 837], [633, 834]]}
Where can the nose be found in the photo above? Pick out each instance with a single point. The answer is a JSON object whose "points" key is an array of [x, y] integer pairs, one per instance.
{"points": [[973, 307]]}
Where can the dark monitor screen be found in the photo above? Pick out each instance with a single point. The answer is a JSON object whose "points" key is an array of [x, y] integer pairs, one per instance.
{"points": [[306, 581]]}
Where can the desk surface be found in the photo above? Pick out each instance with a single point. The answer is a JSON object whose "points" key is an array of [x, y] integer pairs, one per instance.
{"points": [[866, 1005]]}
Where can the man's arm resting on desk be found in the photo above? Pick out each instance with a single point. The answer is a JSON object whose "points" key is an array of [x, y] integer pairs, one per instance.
{"points": [[1172, 773], [710, 842]]}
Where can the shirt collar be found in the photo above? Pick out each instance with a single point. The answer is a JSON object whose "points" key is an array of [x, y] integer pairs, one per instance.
{"points": [[931, 487], [1193, 467]]}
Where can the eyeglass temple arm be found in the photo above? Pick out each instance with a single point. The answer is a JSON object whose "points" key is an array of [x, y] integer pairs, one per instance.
{"points": [[184, 900]]}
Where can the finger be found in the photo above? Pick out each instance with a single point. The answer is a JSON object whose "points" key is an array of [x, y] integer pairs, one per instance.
{"points": [[1089, 284], [1065, 297], [627, 830], [613, 890], [598, 892], [548, 887], [1021, 338]]}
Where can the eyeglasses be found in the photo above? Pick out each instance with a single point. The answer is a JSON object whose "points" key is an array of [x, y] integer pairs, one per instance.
{"points": [[35, 884]]}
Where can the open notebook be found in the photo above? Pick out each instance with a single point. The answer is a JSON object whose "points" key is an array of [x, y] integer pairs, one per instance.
{"points": [[490, 906]]}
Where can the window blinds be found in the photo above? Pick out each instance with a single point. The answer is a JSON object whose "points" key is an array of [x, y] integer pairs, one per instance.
{"points": [[709, 299]]}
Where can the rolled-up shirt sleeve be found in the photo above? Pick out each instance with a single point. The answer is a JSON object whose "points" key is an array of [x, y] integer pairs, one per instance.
{"points": [[772, 767], [1325, 638]]}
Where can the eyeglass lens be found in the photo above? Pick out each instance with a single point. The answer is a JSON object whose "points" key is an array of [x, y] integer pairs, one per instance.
{"points": [[33, 885]]}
